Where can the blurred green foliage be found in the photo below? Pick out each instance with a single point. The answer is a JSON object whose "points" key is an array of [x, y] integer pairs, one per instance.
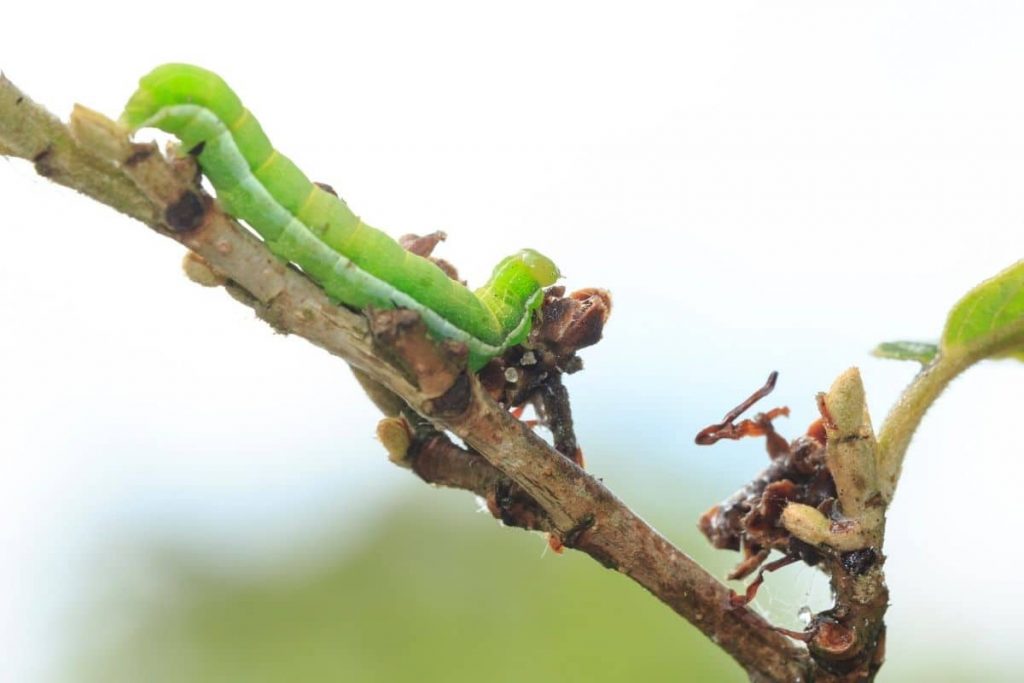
{"points": [[435, 593], [426, 591]]}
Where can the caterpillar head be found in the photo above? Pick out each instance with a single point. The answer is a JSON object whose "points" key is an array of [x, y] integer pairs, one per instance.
{"points": [[543, 269]]}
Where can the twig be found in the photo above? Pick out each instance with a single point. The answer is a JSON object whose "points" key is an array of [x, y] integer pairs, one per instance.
{"points": [[137, 181], [905, 416]]}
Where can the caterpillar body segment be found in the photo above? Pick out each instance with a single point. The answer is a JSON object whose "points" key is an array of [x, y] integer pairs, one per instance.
{"points": [[355, 263]]}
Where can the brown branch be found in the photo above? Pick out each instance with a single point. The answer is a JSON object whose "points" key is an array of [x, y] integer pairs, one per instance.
{"points": [[136, 180], [436, 460]]}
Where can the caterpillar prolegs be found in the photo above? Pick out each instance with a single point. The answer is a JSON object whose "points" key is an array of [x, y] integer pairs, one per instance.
{"points": [[355, 264]]}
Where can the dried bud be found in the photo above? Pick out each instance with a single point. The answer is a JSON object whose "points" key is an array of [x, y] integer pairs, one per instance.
{"points": [[199, 271], [396, 437]]}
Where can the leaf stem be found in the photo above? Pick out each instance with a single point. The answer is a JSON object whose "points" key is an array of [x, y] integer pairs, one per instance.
{"points": [[905, 416]]}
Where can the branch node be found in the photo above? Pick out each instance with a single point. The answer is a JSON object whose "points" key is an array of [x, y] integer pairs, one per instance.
{"points": [[187, 213], [455, 401], [400, 336], [572, 537]]}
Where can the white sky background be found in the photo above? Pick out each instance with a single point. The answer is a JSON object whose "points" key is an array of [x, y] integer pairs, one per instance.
{"points": [[761, 186]]}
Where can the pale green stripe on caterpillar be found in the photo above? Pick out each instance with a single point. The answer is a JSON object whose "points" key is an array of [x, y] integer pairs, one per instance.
{"points": [[356, 264]]}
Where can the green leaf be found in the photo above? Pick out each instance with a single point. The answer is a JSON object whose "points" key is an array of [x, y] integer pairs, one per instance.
{"points": [[989, 320], [922, 352]]}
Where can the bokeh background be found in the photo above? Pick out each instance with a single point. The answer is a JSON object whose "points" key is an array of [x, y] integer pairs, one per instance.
{"points": [[186, 496]]}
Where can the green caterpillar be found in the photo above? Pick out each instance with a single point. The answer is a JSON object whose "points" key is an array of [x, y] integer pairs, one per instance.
{"points": [[355, 264]]}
